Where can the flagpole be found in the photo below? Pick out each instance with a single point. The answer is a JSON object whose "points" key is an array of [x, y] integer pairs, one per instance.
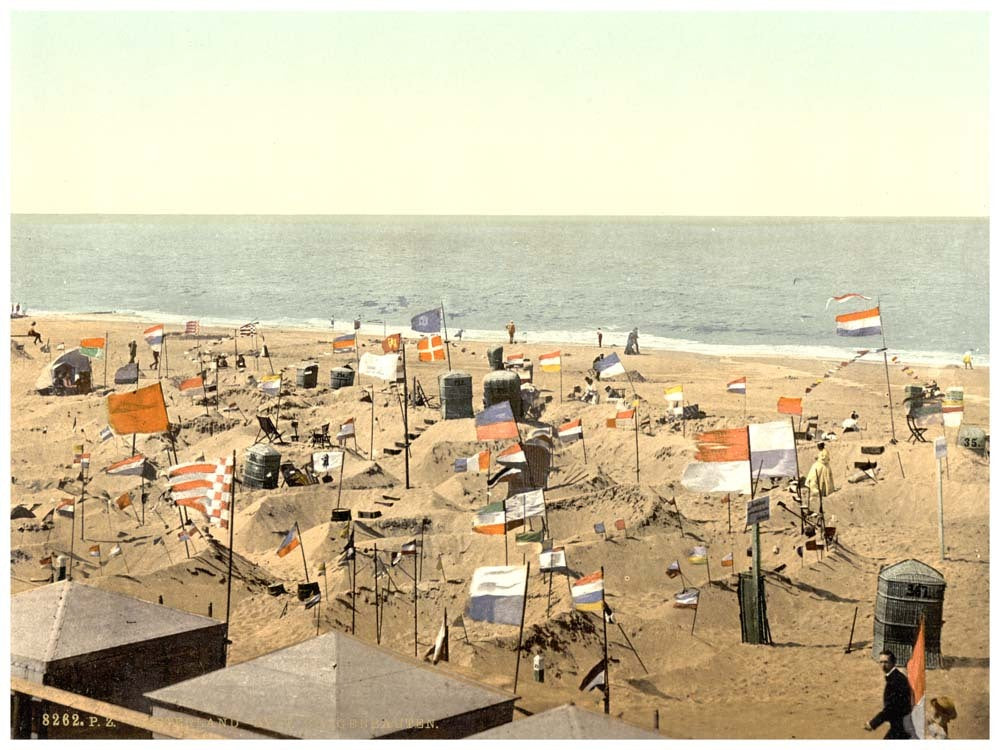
{"points": [[506, 561], [72, 537], [371, 439], [520, 633], [635, 416], [236, 346], [354, 573], [83, 495], [607, 679], [263, 345], [406, 416], [447, 344], [414, 607], [357, 354], [696, 603], [798, 492], [204, 391], [302, 549], [548, 599], [229, 575], [107, 353], [187, 550], [340, 481], [378, 630], [885, 360], [583, 440], [421, 569], [277, 414]]}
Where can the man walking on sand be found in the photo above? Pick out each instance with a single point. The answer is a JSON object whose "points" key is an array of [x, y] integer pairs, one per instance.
{"points": [[511, 329], [895, 699], [600, 338]]}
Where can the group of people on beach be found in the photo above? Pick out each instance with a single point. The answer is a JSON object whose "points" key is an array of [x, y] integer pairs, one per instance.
{"points": [[897, 706]]}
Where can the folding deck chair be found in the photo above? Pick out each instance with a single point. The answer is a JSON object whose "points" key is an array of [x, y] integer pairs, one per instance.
{"points": [[321, 437], [268, 430]]}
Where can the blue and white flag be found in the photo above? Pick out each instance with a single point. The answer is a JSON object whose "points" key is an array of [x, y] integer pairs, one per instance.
{"points": [[427, 322], [497, 594], [106, 433], [609, 366]]}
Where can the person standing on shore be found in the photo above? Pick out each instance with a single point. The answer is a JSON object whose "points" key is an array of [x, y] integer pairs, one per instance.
{"points": [[967, 360], [895, 699], [600, 337], [131, 351], [511, 329]]}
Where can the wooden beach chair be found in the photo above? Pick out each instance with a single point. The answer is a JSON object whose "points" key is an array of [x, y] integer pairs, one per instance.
{"points": [[293, 476], [321, 437], [269, 431]]}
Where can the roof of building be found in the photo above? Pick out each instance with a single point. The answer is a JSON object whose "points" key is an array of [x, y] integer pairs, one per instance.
{"points": [[66, 619], [331, 686], [567, 722]]}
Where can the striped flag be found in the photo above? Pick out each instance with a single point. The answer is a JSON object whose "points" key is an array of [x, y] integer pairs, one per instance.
{"points": [[737, 386], [93, 348], [497, 594], [313, 600], [66, 507], [621, 419], [192, 384], [496, 423], [473, 464], [504, 475], [154, 337], [409, 548], [129, 467], [686, 599], [588, 593], [674, 393], [206, 487], [512, 456], [844, 298], [492, 520], [290, 542], [346, 429], [192, 327], [861, 323], [529, 537], [270, 385], [571, 431], [609, 367], [344, 343], [515, 359], [551, 362], [727, 561], [95, 550], [789, 405], [183, 535], [553, 559], [107, 434], [45, 560], [698, 555], [674, 569], [595, 678], [430, 349], [248, 329]]}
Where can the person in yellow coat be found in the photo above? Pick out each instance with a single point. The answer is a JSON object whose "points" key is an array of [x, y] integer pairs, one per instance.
{"points": [[820, 477]]}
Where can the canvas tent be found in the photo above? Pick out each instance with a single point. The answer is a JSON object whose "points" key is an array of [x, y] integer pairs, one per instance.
{"points": [[341, 688], [67, 374], [567, 722]]}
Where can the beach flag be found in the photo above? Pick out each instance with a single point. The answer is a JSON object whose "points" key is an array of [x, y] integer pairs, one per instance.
{"points": [[525, 505], [391, 344], [192, 328], [66, 507], [620, 524], [124, 501], [270, 385], [93, 348], [95, 551], [674, 393], [588, 593], [128, 467], [191, 384], [346, 429], [698, 555], [789, 405], [313, 600], [142, 411], [528, 537], [551, 362], [473, 464], [116, 550], [674, 569], [45, 560], [609, 366], [439, 651], [504, 475], [206, 487], [497, 594], [427, 322], [916, 675], [686, 599], [107, 434], [953, 409], [515, 359], [594, 679], [609, 615], [183, 535], [861, 323], [290, 542], [348, 553], [512, 456], [727, 561], [553, 559], [381, 366], [599, 528], [248, 329], [496, 423], [927, 413], [571, 431], [721, 463], [845, 298], [737, 386], [430, 349], [492, 519], [154, 337], [327, 461], [621, 419], [344, 343], [409, 548]]}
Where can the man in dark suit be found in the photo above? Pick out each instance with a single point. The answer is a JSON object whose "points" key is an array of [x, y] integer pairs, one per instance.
{"points": [[895, 699]]}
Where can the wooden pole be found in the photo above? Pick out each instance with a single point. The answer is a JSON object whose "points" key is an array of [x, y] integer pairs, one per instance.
{"points": [[414, 607], [940, 494], [406, 416], [354, 573], [607, 678], [506, 560], [236, 346], [378, 629], [520, 632], [302, 549], [340, 480], [420, 570], [629, 642], [107, 354], [204, 391], [229, 574], [548, 599], [885, 360], [371, 439], [695, 618], [187, 550], [798, 492], [584, 441], [447, 344], [72, 537], [635, 419], [850, 638], [263, 345]]}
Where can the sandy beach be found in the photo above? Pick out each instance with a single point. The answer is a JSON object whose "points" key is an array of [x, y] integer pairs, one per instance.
{"points": [[704, 685]]}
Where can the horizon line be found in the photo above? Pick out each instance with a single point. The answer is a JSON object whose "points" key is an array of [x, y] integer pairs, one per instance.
{"points": [[516, 215]]}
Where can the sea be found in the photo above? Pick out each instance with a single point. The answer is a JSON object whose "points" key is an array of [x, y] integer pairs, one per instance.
{"points": [[724, 286]]}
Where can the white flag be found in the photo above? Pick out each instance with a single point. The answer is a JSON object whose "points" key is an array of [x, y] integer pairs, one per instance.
{"points": [[378, 366], [326, 461]]}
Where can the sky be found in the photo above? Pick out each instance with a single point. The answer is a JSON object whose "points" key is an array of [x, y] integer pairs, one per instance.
{"points": [[583, 113]]}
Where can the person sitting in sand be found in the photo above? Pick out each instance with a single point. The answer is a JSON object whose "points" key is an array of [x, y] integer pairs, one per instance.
{"points": [[851, 423], [590, 395], [819, 481], [942, 712]]}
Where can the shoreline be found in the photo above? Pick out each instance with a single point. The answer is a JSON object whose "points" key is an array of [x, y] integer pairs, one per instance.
{"points": [[823, 353]]}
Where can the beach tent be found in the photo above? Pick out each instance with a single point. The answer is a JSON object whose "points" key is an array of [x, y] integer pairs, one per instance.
{"points": [[67, 374]]}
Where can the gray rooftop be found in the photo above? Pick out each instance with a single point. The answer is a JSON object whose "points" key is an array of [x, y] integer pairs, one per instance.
{"points": [[567, 722], [67, 619], [331, 686]]}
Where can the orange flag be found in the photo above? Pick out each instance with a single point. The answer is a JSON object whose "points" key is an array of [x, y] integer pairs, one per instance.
{"points": [[124, 501], [391, 344], [916, 676], [142, 411], [790, 405]]}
